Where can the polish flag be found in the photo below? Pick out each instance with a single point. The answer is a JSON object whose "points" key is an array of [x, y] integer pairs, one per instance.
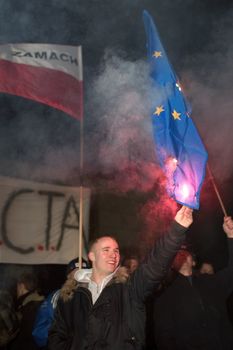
{"points": [[50, 74]]}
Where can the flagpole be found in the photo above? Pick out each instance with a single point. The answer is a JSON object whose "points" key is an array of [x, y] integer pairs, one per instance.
{"points": [[80, 241], [216, 190]]}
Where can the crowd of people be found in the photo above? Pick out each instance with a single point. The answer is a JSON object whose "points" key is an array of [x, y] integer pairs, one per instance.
{"points": [[162, 302]]}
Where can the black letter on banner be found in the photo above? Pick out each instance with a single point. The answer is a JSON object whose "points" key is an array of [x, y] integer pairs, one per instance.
{"points": [[64, 225], [74, 60], [49, 213], [64, 57], [7, 242], [53, 56]]}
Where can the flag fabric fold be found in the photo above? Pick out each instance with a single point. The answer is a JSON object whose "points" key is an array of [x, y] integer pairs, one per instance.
{"points": [[179, 147], [46, 73]]}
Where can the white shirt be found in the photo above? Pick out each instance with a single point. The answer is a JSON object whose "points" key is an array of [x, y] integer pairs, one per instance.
{"points": [[84, 275]]}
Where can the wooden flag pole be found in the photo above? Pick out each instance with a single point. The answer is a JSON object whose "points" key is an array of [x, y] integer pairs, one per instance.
{"points": [[80, 241], [216, 190]]}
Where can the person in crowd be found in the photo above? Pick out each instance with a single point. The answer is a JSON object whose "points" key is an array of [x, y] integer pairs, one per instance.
{"points": [[28, 301], [192, 313], [45, 313], [44, 318], [131, 263], [206, 267], [104, 309], [9, 322]]}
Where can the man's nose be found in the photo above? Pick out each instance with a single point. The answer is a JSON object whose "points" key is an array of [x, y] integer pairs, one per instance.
{"points": [[113, 253]]}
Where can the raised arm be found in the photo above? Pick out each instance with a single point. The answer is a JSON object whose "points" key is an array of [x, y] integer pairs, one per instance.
{"points": [[225, 276], [228, 226], [150, 273], [184, 216]]}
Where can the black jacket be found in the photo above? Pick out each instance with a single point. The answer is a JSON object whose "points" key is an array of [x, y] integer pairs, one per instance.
{"points": [[27, 308], [9, 322], [117, 319], [193, 315]]}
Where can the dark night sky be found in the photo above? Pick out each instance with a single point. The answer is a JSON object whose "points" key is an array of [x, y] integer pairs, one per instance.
{"points": [[42, 144]]}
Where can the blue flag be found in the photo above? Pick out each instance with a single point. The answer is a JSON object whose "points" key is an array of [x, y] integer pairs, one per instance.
{"points": [[180, 150]]}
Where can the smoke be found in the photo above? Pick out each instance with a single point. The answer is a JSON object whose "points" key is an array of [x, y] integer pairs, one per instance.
{"points": [[117, 97], [208, 77], [38, 143], [156, 215], [122, 97]]}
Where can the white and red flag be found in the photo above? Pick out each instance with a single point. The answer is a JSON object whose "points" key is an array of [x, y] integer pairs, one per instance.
{"points": [[50, 74]]}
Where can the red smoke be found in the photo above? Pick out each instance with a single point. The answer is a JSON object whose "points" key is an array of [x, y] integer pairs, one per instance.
{"points": [[135, 176], [156, 216], [157, 210]]}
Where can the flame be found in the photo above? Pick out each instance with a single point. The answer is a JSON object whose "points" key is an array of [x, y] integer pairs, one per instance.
{"points": [[185, 191], [170, 168], [171, 164]]}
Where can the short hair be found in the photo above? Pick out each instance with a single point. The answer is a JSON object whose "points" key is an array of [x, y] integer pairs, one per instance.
{"points": [[29, 280], [95, 240]]}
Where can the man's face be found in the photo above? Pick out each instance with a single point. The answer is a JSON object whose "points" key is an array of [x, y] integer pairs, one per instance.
{"points": [[183, 260], [207, 268], [131, 264], [20, 289], [105, 256]]}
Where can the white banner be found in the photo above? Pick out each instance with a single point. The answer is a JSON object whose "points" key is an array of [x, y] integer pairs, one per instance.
{"points": [[46, 73], [40, 222], [64, 58]]}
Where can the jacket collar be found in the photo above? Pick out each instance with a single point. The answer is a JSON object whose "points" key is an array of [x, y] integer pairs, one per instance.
{"points": [[82, 278]]}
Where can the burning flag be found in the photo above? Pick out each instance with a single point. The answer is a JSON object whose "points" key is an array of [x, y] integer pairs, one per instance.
{"points": [[50, 74], [179, 148]]}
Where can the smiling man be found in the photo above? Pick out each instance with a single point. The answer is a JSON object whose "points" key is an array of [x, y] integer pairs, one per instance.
{"points": [[105, 257], [104, 308]]}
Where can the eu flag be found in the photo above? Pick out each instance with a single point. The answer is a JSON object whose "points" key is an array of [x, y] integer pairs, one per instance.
{"points": [[180, 150]]}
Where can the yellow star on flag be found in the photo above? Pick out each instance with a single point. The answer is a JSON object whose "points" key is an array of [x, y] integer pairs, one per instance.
{"points": [[158, 110], [176, 115], [157, 54]]}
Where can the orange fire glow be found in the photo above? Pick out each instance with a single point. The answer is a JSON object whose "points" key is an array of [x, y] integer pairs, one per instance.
{"points": [[171, 164]]}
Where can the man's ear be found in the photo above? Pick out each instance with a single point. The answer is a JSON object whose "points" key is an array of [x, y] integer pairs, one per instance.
{"points": [[91, 256]]}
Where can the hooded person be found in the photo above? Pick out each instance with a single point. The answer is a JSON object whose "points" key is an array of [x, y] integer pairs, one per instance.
{"points": [[191, 313], [27, 304], [45, 313], [9, 321]]}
